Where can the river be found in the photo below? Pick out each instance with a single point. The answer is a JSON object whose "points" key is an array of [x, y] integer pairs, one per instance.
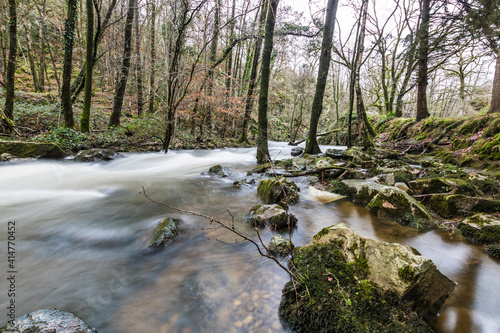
{"points": [[81, 232]]}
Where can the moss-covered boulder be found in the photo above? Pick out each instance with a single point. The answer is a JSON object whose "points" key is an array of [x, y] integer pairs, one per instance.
{"points": [[339, 187], [280, 246], [220, 171], [96, 155], [494, 250], [48, 321], [5, 157], [273, 216], [278, 191], [349, 283], [164, 232], [442, 185], [393, 203], [335, 153], [481, 229], [31, 149], [361, 158], [457, 205]]}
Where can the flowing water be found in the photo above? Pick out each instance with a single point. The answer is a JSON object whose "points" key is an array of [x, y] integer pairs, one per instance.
{"points": [[81, 232]]}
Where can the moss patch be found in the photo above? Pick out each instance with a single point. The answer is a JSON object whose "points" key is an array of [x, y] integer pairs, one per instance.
{"points": [[494, 250], [280, 191], [485, 235]]}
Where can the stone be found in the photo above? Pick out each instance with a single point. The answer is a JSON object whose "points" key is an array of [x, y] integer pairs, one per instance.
{"points": [[361, 158], [442, 185], [96, 155], [297, 151], [387, 179], [335, 153], [273, 216], [457, 205], [164, 232], [402, 186], [23, 149], [481, 229], [396, 267], [56, 321], [323, 196], [494, 250], [243, 183], [220, 171], [5, 157], [280, 246], [278, 191]]}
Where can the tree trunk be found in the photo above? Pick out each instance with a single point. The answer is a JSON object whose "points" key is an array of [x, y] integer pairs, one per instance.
{"points": [[87, 100], [232, 37], [121, 82], [253, 76], [495, 95], [422, 111], [312, 146], [11, 65], [41, 30], [152, 23], [138, 65], [31, 61], [52, 60], [69, 33], [213, 58], [262, 146]]}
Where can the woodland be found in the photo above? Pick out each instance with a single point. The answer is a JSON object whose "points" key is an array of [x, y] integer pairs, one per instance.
{"points": [[202, 74]]}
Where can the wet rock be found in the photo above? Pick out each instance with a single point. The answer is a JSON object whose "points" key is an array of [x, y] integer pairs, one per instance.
{"points": [[387, 179], [335, 153], [280, 246], [456, 205], [95, 155], [481, 229], [323, 196], [350, 283], [220, 171], [402, 187], [164, 232], [5, 157], [297, 151], [243, 183], [442, 185], [273, 216], [31, 149], [361, 158], [278, 191], [339, 187], [494, 250], [56, 321]]}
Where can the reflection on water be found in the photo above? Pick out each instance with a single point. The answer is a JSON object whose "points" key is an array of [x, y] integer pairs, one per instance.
{"points": [[82, 230]]}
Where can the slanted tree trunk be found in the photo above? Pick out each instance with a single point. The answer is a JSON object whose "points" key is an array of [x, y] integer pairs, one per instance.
{"points": [[11, 65], [138, 65], [253, 76], [87, 100], [41, 39], [312, 146], [69, 34], [423, 35], [121, 82], [152, 23], [232, 37], [262, 146], [31, 61], [495, 95]]}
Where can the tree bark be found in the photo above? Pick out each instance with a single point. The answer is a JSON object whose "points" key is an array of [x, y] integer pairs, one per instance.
{"points": [[42, 69], [11, 65], [213, 58], [138, 65], [232, 37], [253, 76], [121, 82], [69, 40], [31, 61], [422, 111], [312, 146], [87, 100], [495, 95], [152, 40], [262, 145]]}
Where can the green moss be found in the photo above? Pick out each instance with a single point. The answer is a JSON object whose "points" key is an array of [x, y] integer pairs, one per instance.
{"points": [[333, 295], [485, 235], [407, 274], [403, 177], [260, 169], [164, 232], [337, 186], [322, 232], [281, 191], [494, 250], [491, 150]]}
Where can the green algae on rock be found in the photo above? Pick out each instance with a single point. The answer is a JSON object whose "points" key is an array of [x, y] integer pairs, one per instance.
{"points": [[273, 216], [278, 191], [280, 246], [456, 205], [481, 229], [164, 232], [23, 149]]}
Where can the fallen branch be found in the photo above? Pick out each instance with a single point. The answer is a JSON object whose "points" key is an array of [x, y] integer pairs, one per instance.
{"points": [[321, 134], [313, 171]]}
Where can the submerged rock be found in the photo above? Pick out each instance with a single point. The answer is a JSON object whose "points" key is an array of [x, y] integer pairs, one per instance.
{"points": [[481, 229], [280, 246], [56, 321], [350, 283], [278, 191], [273, 216], [243, 183], [164, 232], [96, 154], [23, 149], [220, 170]]}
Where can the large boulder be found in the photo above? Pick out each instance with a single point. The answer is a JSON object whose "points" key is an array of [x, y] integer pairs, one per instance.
{"points": [[273, 216], [280, 246], [45, 321], [278, 191], [335, 153], [96, 154], [164, 232], [345, 282], [220, 171], [361, 158], [31, 149], [481, 229], [442, 185], [456, 205]]}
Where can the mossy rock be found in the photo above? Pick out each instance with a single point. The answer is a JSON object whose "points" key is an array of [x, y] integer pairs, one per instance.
{"points": [[456, 205], [337, 186], [280, 191], [481, 229], [491, 149], [220, 171], [31, 149], [164, 232], [494, 250], [273, 216], [96, 154], [442, 185], [260, 169], [486, 185], [280, 246]]}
